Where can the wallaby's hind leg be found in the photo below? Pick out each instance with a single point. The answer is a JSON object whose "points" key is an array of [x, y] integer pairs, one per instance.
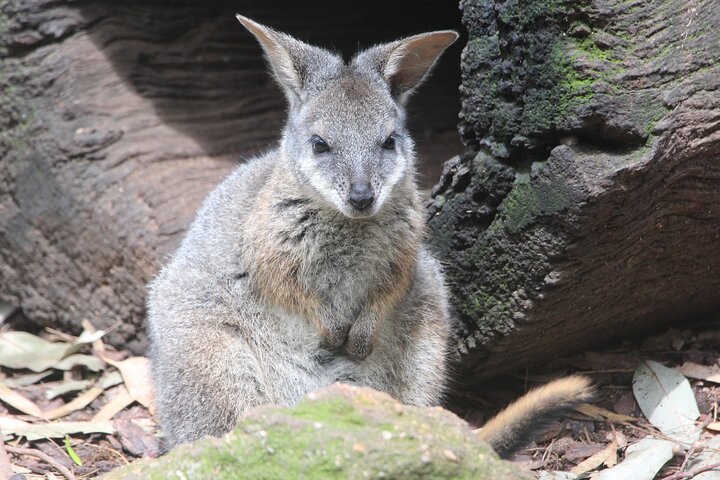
{"points": [[203, 381]]}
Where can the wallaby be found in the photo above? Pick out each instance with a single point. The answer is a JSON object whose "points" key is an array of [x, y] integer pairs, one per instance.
{"points": [[306, 265]]}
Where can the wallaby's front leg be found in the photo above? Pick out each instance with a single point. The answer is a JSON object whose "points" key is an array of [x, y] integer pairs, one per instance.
{"points": [[334, 327], [360, 338]]}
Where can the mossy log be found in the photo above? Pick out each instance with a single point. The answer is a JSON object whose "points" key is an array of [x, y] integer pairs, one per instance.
{"points": [[588, 204], [117, 118]]}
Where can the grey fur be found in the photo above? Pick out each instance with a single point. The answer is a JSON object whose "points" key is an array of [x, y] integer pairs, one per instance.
{"points": [[281, 286]]}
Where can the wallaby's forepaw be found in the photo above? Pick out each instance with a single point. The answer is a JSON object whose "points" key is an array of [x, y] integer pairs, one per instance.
{"points": [[360, 340], [334, 333]]}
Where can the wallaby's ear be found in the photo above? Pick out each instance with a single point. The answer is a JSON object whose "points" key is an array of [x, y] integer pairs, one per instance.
{"points": [[295, 64], [405, 63]]}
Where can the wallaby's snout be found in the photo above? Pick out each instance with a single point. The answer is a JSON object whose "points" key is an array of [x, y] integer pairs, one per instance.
{"points": [[361, 195]]}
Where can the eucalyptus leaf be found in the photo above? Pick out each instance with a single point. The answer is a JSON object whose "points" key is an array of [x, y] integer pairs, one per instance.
{"points": [[24, 350], [667, 401], [109, 379], [61, 388], [90, 362], [643, 460], [25, 380], [12, 427]]}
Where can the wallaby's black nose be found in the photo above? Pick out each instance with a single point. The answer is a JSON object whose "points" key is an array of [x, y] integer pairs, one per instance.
{"points": [[361, 195]]}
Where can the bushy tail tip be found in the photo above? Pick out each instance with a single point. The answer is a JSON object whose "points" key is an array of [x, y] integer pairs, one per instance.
{"points": [[512, 428]]}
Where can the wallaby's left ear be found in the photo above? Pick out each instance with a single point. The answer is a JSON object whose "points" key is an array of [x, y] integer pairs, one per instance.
{"points": [[405, 63], [295, 64]]}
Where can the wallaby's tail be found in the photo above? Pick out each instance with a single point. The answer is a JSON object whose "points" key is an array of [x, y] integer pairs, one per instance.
{"points": [[511, 428]]}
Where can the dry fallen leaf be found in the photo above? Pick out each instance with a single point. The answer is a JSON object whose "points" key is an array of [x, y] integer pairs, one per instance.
{"points": [[19, 402], [667, 401], [642, 461], [56, 389], [700, 372], [607, 457], [714, 426], [25, 380], [79, 402], [35, 431], [136, 375], [24, 350], [597, 413], [117, 404]]}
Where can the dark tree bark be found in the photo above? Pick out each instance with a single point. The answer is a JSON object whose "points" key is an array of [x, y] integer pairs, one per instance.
{"points": [[117, 118], [588, 205]]}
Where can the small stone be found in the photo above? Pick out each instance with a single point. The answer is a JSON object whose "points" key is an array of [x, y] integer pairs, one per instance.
{"points": [[450, 455], [386, 435], [360, 448]]}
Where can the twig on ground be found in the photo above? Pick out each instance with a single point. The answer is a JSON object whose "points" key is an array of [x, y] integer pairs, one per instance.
{"points": [[693, 448], [692, 473], [44, 457]]}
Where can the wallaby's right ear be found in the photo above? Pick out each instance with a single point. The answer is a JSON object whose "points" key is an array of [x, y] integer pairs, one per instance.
{"points": [[295, 65], [404, 64]]}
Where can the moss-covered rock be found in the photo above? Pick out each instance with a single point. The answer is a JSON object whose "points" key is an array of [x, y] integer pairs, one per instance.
{"points": [[337, 432]]}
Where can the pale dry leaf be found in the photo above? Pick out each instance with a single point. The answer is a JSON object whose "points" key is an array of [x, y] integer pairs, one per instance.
{"points": [[110, 379], [667, 401], [25, 380], [79, 402], [700, 372], [714, 426], [597, 413], [119, 402], [12, 427], [643, 460], [61, 388], [20, 469], [98, 344], [607, 456], [136, 375], [90, 362], [18, 401], [23, 350]]}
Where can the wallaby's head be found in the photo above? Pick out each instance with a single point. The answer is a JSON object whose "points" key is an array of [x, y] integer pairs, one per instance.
{"points": [[345, 140]]}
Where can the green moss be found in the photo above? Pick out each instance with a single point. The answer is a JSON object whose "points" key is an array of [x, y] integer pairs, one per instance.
{"points": [[332, 410]]}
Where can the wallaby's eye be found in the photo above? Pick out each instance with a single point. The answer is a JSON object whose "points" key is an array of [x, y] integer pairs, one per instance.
{"points": [[319, 145], [389, 143]]}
